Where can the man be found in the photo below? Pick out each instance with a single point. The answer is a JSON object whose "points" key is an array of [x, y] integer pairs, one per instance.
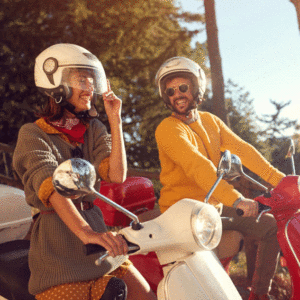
{"points": [[190, 145]]}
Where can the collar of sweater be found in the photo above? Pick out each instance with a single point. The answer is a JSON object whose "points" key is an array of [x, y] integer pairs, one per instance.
{"points": [[49, 129]]}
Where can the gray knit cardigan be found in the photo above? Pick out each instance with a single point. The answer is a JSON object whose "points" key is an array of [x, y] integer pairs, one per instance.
{"points": [[56, 254]]}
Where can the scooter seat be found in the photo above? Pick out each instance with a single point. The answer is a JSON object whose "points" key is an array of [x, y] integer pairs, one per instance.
{"points": [[14, 270]]}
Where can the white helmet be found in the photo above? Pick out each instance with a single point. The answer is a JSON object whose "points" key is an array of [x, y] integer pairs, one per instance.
{"points": [[178, 66], [54, 64]]}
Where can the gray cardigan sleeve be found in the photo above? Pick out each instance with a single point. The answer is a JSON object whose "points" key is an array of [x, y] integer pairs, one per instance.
{"points": [[35, 158]]}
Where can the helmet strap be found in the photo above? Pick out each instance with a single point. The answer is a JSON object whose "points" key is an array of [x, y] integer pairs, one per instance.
{"points": [[63, 102]]}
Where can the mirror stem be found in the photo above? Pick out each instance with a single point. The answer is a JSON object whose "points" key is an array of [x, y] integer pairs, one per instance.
{"points": [[136, 225], [255, 182], [291, 153], [214, 187], [293, 165]]}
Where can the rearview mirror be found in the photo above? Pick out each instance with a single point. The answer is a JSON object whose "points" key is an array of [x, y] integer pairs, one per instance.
{"points": [[74, 177], [224, 164], [223, 168], [77, 177], [236, 169]]}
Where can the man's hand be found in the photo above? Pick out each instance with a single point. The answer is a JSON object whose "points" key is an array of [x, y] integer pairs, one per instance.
{"points": [[249, 207]]}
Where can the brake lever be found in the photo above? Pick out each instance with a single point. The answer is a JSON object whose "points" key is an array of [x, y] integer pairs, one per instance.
{"points": [[262, 213], [99, 261], [230, 219], [131, 249]]}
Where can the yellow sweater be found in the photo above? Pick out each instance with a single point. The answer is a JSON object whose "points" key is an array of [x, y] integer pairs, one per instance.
{"points": [[189, 156]]}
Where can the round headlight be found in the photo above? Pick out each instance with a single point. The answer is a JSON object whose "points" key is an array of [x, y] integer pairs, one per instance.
{"points": [[206, 226]]}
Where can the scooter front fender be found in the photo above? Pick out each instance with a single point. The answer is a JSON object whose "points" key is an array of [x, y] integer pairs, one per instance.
{"points": [[288, 237], [197, 277]]}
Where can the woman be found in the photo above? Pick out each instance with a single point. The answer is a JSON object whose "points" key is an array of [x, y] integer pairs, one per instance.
{"points": [[72, 77]]}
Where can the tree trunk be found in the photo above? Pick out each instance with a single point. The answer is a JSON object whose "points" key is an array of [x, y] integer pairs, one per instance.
{"points": [[219, 106], [297, 6]]}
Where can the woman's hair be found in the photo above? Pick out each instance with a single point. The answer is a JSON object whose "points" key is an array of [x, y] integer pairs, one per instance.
{"points": [[50, 111], [53, 112]]}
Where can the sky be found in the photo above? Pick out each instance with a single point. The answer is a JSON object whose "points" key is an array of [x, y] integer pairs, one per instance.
{"points": [[259, 43]]}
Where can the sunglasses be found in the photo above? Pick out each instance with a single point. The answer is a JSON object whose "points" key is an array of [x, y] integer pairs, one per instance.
{"points": [[183, 88]]}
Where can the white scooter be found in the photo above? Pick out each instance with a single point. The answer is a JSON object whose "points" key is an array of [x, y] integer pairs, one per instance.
{"points": [[15, 216], [183, 237]]}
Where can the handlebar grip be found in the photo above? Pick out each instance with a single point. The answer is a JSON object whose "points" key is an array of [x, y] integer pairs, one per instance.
{"points": [[239, 212], [261, 207], [89, 249]]}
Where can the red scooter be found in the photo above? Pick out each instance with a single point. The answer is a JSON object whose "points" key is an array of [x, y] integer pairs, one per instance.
{"points": [[283, 202]]}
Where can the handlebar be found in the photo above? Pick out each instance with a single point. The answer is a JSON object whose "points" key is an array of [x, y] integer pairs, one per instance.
{"points": [[90, 249], [262, 208], [239, 212]]}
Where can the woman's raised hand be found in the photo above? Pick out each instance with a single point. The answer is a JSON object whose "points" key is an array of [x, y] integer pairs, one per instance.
{"points": [[112, 103]]}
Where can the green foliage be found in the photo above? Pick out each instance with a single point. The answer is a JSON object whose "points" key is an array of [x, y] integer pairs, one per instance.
{"points": [[131, 38], [277, 141], [268, 133], [242, 115]]}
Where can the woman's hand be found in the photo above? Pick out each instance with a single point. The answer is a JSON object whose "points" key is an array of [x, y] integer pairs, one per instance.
{"points": [[117, 159], [65, 208], [112, 103], [111, 241]]}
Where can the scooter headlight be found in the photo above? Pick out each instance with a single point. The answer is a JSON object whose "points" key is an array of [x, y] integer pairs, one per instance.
{"points": [[206, 226]]}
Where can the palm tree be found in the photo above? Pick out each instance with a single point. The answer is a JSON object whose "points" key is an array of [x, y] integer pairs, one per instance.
{"points": [[297, 6], [219, 106]]}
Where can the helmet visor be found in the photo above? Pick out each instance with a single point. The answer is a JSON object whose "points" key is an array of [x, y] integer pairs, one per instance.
{"points": [[85, 79]]}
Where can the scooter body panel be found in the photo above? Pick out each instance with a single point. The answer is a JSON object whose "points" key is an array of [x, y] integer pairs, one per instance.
{"points": [[200, 276], [288, 237], [284, 201]]}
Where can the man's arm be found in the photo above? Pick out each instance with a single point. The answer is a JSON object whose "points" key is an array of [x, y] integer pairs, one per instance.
{"points": [[175, 141], [249, 156]]}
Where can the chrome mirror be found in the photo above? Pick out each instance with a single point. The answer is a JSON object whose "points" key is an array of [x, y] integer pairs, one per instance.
{"points": [[74, 177], [223, 168], [77, 177], [236, 169], [224, 164]]}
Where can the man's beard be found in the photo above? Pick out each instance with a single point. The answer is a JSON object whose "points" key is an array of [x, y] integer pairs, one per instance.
{"points": [[192, 105]]}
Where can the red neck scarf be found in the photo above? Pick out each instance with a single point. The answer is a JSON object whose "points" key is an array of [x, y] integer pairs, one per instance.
{"points": [[75, 134]]}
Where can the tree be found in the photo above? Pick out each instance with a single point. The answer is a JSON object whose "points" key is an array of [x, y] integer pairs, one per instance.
{"points": [[131, 39], [241, 114], [297, 6], [217, 80], [274, 133]]}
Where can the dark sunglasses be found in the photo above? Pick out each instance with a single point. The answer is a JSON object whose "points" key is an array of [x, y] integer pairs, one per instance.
{"points": [[183, 88]]}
